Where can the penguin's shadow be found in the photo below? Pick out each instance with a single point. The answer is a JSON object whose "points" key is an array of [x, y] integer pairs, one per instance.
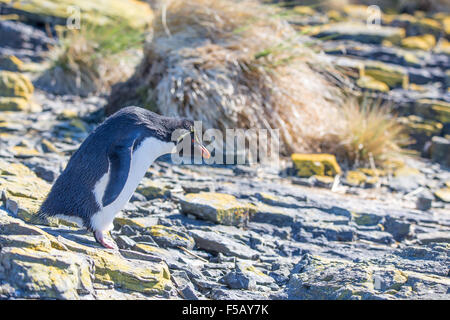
{"points": [[80, 236]]}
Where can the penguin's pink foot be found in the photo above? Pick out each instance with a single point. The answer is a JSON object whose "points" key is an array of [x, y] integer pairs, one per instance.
{"points": [[98, 235]]}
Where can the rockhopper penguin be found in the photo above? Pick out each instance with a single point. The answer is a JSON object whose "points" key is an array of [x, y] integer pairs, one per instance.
{"points": [[103, 173]]}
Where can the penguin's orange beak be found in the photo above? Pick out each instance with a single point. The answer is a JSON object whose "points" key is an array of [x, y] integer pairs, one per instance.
{"points": [[205, 152]]}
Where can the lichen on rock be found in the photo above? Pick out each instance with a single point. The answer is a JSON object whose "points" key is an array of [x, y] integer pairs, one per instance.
{"points": [[217, 207], [308, 165]]}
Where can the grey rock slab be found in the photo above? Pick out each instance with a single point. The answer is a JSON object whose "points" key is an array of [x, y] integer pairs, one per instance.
{"points": [[278, 201], [275, 215], [124, 242], [437, 236], [215, 242], [376, 236], [235, 279], [399, 228], [330, 231]]}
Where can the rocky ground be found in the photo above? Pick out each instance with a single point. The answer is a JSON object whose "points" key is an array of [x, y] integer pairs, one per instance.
{"points": [[223, 232]]}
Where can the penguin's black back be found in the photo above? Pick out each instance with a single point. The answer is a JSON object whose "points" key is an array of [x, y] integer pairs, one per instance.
{"points": [[72, 193]]}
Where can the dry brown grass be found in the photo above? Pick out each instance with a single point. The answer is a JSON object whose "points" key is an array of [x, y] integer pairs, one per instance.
{"points": [[235, 64], [371, 133]]}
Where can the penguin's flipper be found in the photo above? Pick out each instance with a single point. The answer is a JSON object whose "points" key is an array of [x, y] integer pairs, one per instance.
{"points": [[120, 161]]}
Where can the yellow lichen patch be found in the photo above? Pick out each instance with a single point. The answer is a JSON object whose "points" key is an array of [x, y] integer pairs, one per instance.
{"points": [[429, 25], [50, 147], [443, 46], [24, 187], [170, 237], [163, 231], [146, 248], [308, 165], [14, 104], [13, 226], [304, 10], [14, 169], [30, 187], [424, 42], [373, 172], [442, 112], [79, 124], [356, 178], [13, 84], [393, 164], [446, 23], [426, 127], [356, 11], [136, 275], [24, 151], [252, 269], [266, 197], [16, 61], [416, 87], [53, 274], [129, 222], [443, 194], [33, 242], [152, 189], [6, 136], [11, 63], [217, 207], [367, 82], [324, 180], [391, 75], [433, 109], [365, 219], [67, 114], [334, 15]]}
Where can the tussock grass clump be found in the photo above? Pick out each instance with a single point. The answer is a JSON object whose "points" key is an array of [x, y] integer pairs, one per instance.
{"points": [[91, 59], [371, 133], [234, 64]]}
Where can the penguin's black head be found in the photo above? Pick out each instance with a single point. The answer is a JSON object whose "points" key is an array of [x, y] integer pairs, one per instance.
{"points": [[186, 128], [166, 129], [187, 124]]}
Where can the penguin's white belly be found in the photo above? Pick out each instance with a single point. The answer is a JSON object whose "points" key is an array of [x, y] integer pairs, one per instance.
{"points": [[141, 159]]}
